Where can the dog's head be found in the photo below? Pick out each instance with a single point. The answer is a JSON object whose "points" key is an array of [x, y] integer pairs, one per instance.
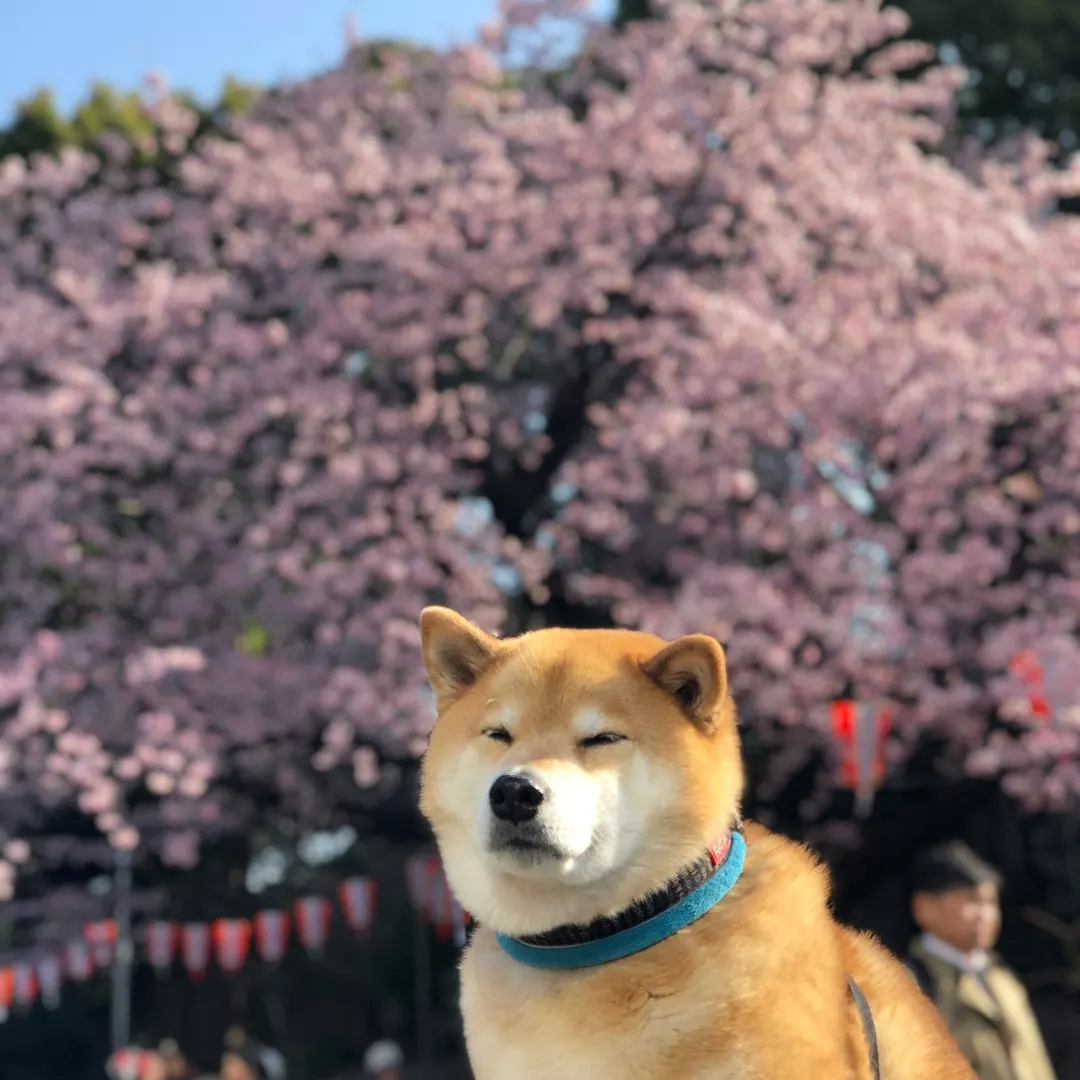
{"points": [[571, 772]]}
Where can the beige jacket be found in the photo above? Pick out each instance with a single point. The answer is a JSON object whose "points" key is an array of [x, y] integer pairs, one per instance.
{"points": [[996, 1030]]}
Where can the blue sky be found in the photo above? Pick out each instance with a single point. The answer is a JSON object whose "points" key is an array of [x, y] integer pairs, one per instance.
{"points": [[65, 44]]}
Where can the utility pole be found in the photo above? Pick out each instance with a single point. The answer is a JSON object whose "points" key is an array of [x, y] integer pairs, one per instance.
{"points": [[125, 951]]}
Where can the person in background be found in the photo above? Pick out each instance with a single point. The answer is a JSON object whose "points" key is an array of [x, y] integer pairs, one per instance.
{"points": [[955, 904], [384, 1060], [155, 1067], [135, 1063], [176, 1065], [250, 1060]]}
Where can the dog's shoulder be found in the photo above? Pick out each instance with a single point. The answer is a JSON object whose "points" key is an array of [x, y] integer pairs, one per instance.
{"points": [[784, 865], [801, 959], [913, 1038], [784, 890]]}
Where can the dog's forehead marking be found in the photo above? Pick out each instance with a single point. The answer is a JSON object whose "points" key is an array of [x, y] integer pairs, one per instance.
{"points": [[502, 714], [589, 721]]}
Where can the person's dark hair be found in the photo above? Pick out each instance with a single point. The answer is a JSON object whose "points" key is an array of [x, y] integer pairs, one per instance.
{"points": [[948, 866]]}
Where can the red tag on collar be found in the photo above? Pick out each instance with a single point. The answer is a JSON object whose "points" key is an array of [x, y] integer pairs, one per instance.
{"points": [[718, 852]]}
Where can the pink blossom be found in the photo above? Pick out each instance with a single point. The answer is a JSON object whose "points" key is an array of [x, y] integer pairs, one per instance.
{"points": [[708, 333], [16, 851], [124, 839]]}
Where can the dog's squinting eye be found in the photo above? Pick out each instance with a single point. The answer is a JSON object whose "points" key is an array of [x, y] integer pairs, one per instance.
{"points": [[498, 734], [604, 738]]}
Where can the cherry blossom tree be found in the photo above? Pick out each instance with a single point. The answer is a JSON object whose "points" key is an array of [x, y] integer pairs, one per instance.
{"points": [[698, 329]]}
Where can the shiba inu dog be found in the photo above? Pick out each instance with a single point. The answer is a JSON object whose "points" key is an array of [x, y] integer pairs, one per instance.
{"points": [[584, 789]]}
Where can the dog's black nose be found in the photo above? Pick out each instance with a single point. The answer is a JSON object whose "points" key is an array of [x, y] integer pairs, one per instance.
{"points": [[515, 799]]}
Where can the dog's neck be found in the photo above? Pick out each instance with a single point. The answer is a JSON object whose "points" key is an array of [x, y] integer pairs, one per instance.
{"points": [[695, 890]]}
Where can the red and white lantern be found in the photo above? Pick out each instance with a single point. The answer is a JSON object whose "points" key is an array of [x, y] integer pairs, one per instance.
{"points": [[24, 985], [313, 923], [78, 962], [101, 937], [195, 948], [358, 903], [1027, 668], [232, 939], [861, 729], [1050, 680], [50, 977], [271, 935], [162, 938]]}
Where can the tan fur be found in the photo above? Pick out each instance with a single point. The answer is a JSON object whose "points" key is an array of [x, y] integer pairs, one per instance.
{"points": [[754, 990]]}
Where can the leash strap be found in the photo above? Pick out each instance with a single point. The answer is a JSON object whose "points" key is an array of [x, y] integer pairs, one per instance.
{"points": [[869, 1030]]}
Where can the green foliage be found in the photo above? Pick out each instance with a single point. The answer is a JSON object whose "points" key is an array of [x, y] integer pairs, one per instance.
{"points": [[236, 97], [253, 640], [378, 53], [39, 128], [627, 11], [107, 110], [1024, 58]]}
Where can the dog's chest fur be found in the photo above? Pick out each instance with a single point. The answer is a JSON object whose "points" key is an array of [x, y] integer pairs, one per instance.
{"points": [[639, 1022]]}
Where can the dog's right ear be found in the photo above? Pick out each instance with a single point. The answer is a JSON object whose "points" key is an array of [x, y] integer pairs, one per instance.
{"points": [[456, 653], [693, 671]]}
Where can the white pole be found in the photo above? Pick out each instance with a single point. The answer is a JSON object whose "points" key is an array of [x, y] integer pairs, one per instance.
{"points": [[125, 952]]}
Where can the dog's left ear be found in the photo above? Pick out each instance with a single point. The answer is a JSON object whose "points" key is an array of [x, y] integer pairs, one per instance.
{"points": [[693, 671], [456, 653]]}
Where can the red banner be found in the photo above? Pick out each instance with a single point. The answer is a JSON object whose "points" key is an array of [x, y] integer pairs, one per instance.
{"points": [[162, 938], [313, 923], [443, 913], [50, 977], [78, 963], [271, 935], [433, 899], [24, 985], [232, 939], [422, 873], [228, 941], [195, 948], [358, 903], [101, 937]]}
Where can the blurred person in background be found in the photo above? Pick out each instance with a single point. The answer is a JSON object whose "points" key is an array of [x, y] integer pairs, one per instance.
{"points": [[155, 1067], [176, 1065], [136, 1063], [250, 1060], [384, 1060], [955, 902]]}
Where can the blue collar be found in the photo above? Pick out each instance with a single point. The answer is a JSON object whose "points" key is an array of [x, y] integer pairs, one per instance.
{"points": [[642, 935]]}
